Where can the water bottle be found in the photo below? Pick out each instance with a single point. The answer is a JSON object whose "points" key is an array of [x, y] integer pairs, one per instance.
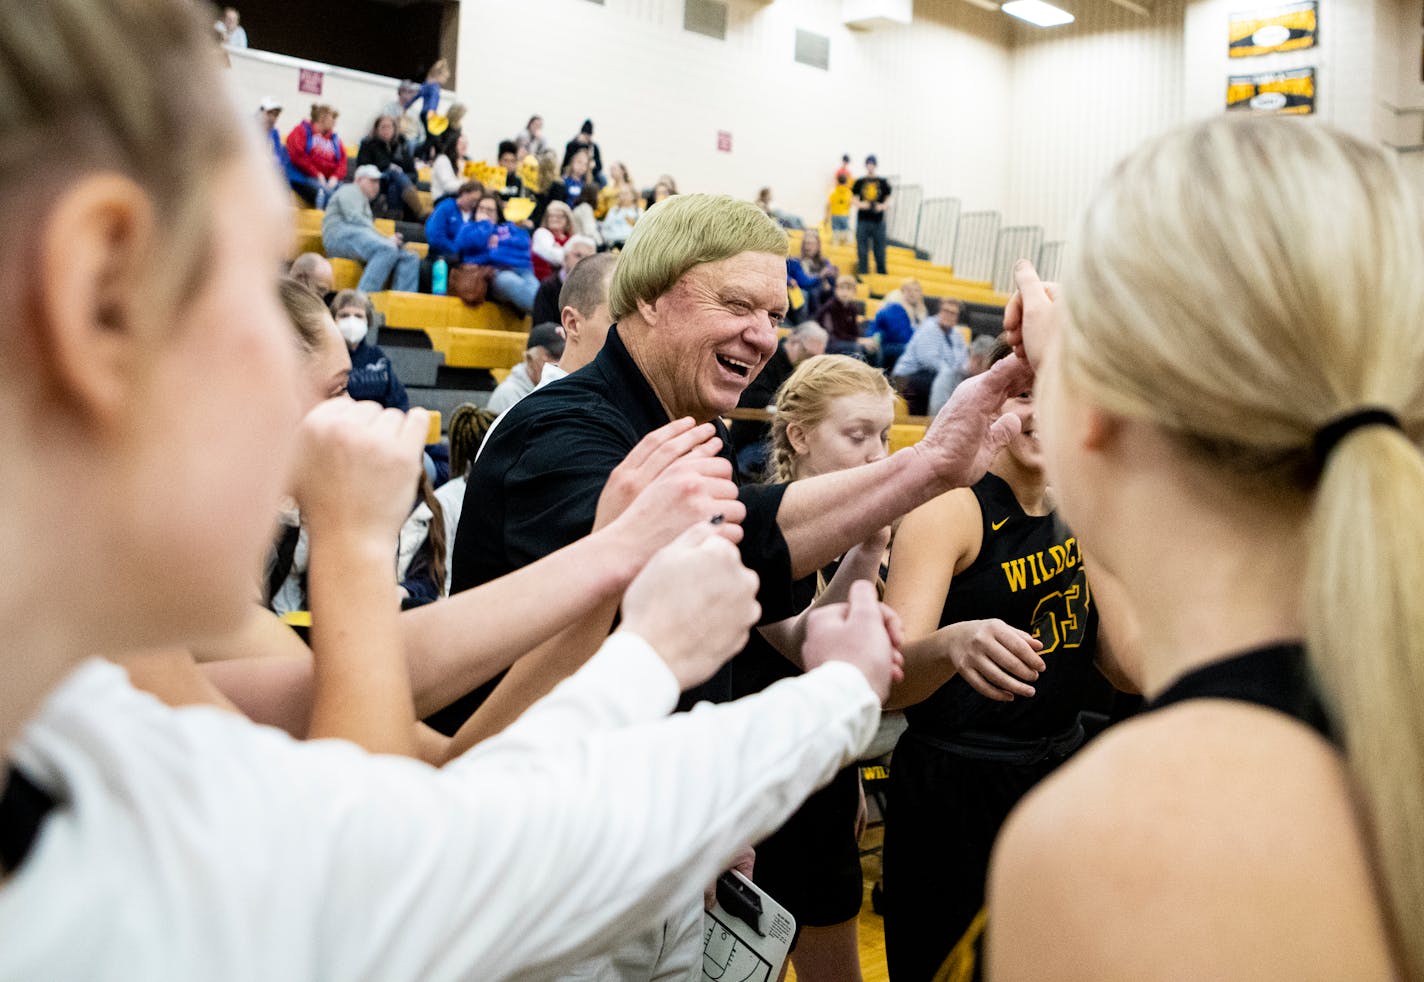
{"points": [[440, 277]]}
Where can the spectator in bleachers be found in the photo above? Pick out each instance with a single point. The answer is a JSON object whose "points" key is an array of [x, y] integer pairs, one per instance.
{"points": [[546, 301], [547, 245], [348, 231], [548, 187], [509, 160], [317, 156], [442, 228], [586, 216], [269, 110], [936, 348], [313, 271], [895, 322], [410, 127], [749, 436], [843, 174], [373, 378], [385, 150], [981, 350], [833, 413], [577, 175], [445, 140], [838, 208], [446, 170], [608, 195], [491, 241], [530, 140], [583, 140], [666, 187], [544, 347], [618, 223], [230, 28], [427, 98], [840, 317], [871, 194], [814, 263]]}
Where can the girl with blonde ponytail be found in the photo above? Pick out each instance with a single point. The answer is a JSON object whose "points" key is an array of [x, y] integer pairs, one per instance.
{"points": [[832, 413], [1232, 395]]}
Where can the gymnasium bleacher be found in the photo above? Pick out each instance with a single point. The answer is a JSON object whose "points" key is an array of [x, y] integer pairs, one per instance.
{"points": [[445, 352]]}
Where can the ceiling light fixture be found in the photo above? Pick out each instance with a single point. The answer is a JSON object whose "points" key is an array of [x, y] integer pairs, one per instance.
{"points": [[1037, 12]]}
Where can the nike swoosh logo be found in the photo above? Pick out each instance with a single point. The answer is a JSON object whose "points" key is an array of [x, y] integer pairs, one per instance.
{"points": [[998, 525]]}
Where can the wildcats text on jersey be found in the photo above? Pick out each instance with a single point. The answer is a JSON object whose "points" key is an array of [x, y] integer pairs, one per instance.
{"points": [[1037, 568]]}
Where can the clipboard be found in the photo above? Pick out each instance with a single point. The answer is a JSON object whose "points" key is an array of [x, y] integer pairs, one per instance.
{"points": [[747, 935]]}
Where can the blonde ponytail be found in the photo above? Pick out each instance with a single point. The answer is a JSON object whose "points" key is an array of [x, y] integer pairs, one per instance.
{"points": [[1213, 295], [1365, 633]]}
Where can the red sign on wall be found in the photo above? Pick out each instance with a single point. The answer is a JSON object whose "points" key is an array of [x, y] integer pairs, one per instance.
{"points": [[309, 81], [724, 141]]}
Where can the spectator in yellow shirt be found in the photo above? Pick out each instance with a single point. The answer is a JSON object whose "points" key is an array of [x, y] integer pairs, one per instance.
{"points": [[838, 209]]}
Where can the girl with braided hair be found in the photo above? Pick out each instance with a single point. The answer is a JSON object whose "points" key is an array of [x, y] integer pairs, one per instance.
{"points": [[834, 412]]}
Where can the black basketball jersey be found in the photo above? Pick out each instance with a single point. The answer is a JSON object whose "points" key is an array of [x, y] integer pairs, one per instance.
{"points": [[1029, 574]]}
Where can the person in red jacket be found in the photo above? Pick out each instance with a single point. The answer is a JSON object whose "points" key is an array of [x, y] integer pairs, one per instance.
{"points": [[318, 157]]}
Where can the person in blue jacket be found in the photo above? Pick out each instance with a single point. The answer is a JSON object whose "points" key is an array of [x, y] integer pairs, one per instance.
{"points": [[442, 228], [373, 378], [895, 322], [489, 240]]}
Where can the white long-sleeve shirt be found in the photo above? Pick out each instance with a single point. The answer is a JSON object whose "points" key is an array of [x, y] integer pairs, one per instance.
{"points": [[192, 844]]}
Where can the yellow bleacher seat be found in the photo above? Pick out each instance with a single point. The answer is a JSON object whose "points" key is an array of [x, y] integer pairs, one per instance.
{"points": [[385, 226], [421, 249], [427, 201], [468, 348], [432, 435], [307, 242], [904, 435], [309, 219], [438, 316], [346, 274]]}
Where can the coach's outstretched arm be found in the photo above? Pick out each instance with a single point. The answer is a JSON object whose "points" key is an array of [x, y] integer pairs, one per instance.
{"points": [[822, 517]]}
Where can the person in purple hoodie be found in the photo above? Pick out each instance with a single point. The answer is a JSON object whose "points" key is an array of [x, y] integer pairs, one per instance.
{"points": [[489, 240]]}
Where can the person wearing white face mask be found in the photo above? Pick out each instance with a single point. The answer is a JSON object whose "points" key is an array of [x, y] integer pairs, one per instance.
{"points": [[373, 378]]}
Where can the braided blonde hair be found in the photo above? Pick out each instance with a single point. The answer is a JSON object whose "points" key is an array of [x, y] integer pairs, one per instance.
{"points": [[805, 399]]}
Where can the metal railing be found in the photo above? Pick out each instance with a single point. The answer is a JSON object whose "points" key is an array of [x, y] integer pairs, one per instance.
{"points": [[939, 222], [974, 244], [1015, 242]]}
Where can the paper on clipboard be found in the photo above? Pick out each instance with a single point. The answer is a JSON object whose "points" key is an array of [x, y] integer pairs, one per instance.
{"points": [[733, 951]]}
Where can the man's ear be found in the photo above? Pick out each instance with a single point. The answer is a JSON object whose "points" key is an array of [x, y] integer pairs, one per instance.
{"points": [[93, 252], [569, 318], [648, 311]]}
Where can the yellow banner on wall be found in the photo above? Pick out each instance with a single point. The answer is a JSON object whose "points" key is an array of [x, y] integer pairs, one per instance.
{"points": [[1261, 32], [1280, 93]]}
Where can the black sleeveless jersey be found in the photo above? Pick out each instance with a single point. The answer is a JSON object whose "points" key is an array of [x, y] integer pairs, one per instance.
{"points": [[1275, 677], [1029, 574]]}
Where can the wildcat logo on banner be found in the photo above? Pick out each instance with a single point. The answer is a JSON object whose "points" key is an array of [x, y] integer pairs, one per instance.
{"points": [[1283, 93], [1261, 32]]}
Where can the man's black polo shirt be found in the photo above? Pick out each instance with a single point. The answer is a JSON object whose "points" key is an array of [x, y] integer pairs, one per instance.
{"points": [[535, 487]]}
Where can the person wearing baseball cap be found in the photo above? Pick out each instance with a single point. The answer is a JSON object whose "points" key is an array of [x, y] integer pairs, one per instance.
{"points": [[348, 231], [268, 112], [544, 347]]}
